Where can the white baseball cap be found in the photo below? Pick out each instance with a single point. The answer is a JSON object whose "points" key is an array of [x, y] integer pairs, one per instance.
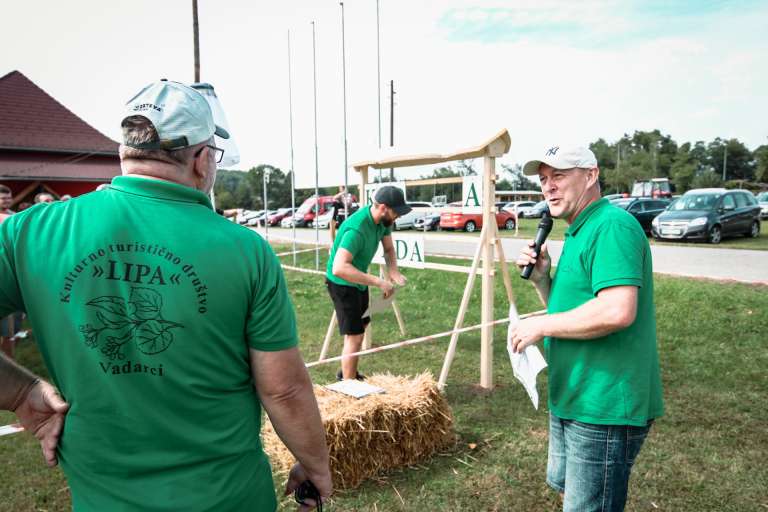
{"points": [[562, 158], [180, 114]]}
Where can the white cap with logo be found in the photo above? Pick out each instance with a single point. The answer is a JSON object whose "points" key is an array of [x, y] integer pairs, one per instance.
{"points": [[181, 115], [562, 158]]}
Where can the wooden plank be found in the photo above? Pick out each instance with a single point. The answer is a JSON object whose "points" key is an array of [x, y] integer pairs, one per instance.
{"points": [[486, 311], [328, 334], [451, 352], [496, 146]]}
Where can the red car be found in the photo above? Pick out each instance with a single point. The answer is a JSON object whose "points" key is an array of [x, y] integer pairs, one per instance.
{"points": [[471, 222], [275, 218]]}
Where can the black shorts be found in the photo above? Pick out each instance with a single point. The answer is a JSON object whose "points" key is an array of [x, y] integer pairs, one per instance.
{"points": [[350, 303]]}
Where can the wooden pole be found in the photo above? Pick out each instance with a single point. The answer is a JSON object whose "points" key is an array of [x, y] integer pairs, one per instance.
{"points": [[451, 352], [328, 336], [505, 271], [486, 312]]}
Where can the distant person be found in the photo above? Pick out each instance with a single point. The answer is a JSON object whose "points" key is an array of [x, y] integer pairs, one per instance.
{"points": [[10, 324], [65, 197], [599, 335], [347, 277], [23, 206], [44, 197], [6, 200], [164, 355]]}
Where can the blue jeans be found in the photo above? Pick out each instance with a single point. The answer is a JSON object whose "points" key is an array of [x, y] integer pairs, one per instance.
{"points": [[591, 464]]}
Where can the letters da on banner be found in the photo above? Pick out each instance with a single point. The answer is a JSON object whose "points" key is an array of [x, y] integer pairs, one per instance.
{"points": [[472, 194], [371, 188], [409, 251]]}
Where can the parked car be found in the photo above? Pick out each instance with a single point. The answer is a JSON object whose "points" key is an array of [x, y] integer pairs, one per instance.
{"points": [[471, 222], [762, 199], [709, 214], [519, 207], [308, 209], [279, 215], [536, 211], [611, 197], [323, 221], [406, 221], [246, 216], [429, 222], [644, 209]]}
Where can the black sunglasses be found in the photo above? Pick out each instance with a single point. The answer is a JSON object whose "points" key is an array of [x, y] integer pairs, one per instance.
{"points": [[218, 153]]}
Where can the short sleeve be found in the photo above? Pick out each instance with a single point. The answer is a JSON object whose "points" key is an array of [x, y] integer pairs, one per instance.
{"points": [[271, 322], [352, 241], [617, 257], [10, 295]]}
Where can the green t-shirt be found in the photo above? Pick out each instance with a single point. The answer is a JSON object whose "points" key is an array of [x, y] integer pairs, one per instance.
{"points": [[612, 380], [360, 236], [144, 303]]}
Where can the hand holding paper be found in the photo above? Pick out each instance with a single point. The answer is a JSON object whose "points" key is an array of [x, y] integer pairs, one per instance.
{"points": [[527, 364]]}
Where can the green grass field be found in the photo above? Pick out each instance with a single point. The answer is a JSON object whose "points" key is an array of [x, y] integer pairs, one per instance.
{"points": [[707, 453]]}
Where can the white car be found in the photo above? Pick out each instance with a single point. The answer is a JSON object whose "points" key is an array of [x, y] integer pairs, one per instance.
{"points": [[323, 221], [523, 207], [287, 222], [406, 221]]}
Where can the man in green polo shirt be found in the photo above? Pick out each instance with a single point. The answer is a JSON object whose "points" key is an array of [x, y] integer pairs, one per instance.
{"points": [[164, 327], [347, 277], [599, 335]]}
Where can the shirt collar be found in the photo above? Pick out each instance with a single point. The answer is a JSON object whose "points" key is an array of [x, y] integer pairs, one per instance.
{"points": [[160, 190], [582, 217]]}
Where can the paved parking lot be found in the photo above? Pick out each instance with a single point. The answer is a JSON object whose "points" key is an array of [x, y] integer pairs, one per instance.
{"points": [[693, 261]]}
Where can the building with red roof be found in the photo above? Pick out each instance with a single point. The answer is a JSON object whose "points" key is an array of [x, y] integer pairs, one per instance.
{"points": [[44, 147]]}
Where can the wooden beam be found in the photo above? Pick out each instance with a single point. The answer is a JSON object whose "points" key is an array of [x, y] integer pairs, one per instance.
{"points": [[486, 311], [496, 146]]}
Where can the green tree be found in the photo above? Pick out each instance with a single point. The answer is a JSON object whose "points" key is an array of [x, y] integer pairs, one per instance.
{"points": [[761, 163], [707, 179], [683, 168], [739, 163]]}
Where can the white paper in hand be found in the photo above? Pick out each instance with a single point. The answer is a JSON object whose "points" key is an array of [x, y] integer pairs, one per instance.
{"points": [[527, 364]]}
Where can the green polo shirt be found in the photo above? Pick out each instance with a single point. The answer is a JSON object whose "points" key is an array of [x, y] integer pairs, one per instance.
{"points": [[144, 303], [360, 236], [612, 380]]}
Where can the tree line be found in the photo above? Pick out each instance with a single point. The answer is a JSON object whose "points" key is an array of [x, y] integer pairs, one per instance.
{"points": [[642, 155]]}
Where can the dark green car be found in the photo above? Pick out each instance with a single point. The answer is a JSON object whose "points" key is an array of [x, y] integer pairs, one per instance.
{"points": [[644, 209]]}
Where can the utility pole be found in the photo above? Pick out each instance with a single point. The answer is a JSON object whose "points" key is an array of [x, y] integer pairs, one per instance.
{"points": [[725, 159], [196, 31], [391, 123], [265, 181]]}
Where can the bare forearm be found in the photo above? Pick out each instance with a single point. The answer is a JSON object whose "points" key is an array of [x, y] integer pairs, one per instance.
{"points": [[348, 272], [297, 421], [15, 383], [543, 287], [593, 319], [390, 259]]}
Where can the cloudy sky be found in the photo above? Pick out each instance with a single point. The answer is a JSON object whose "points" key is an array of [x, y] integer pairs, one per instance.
{"points": [[551, 72]]}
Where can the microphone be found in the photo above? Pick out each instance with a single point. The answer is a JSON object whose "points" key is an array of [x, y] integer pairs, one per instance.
{"points": [[545, 226]]}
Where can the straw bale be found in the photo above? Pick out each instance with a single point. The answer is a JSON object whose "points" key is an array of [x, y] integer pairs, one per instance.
{"points": [[368, 436]]}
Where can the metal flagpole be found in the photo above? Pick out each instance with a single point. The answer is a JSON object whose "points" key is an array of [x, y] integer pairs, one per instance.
{"points": [[344, 86], [290, 128], [378, 74], [317, 188]]}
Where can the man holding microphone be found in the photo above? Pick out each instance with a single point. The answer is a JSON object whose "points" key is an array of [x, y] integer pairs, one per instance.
{"points": [[599, 335]]}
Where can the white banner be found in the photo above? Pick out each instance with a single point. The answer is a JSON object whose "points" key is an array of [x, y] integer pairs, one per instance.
{"points": [[371, 188], [409, 251], [472, 194]]}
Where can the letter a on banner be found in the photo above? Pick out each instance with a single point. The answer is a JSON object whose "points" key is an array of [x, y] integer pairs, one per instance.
{"points": [[472, 194]]}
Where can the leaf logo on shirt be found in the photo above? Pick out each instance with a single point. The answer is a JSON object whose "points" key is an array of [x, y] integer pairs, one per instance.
{"points": [[139, 319]]}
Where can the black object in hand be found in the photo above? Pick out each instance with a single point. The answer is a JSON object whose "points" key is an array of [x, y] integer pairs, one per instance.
{"points": [[545, 226], [308, 490]]}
